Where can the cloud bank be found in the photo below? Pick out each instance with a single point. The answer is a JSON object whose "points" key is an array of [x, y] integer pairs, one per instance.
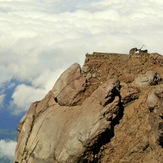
{"points": [[7, 149], [40, 39]]}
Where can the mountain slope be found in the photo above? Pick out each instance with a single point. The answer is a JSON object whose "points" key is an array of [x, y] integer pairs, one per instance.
{"points": [[110, 110]]}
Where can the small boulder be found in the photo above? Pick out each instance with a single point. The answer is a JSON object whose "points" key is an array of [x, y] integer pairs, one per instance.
{"points": [[128, 93], [149, 78], [152, 100], [159, 91]]}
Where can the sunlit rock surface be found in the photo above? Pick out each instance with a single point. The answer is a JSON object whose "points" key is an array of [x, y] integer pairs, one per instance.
{"points": [[110, 110]]}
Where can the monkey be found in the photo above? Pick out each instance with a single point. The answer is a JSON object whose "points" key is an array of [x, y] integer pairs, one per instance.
{"points": [[142, 51], [133, 51]]}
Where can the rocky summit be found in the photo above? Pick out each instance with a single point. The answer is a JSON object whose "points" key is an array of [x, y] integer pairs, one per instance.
{"points": [[108, 111]]}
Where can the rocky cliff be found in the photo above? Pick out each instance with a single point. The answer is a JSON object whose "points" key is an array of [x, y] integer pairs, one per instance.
{"points": [[108, 111]]}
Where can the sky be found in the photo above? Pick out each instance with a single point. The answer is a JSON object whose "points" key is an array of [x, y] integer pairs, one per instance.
{"points": [[39, 39]]}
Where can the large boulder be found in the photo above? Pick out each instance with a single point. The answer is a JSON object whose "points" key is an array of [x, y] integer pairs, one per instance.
{"points": [[64, 134], [69, 85]]}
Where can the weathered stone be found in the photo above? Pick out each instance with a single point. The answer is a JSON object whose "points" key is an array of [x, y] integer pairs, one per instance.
{"points": [[150, 78], [94, 75], [152, 101], [69, 85], [85, 69], [62, 134], [128, 93], [155, 101], [156, 57], [89, 75], [159, 91]]}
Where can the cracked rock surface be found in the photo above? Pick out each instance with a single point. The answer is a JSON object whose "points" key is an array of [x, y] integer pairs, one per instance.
{"points": [[62, 134], [108, 111]]}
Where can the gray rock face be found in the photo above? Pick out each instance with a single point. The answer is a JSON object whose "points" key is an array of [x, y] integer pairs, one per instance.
{"points": [[155, 105], [69, 85], [149, 78], [50, 132]]}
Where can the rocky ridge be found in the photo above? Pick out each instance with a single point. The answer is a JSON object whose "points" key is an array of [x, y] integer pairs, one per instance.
{"points": [[110, 110]]}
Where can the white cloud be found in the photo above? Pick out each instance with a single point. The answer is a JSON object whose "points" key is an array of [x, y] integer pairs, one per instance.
{"points": [[51, 75], [24, 95], [7, 149], [5, 76], [38, 39]]}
